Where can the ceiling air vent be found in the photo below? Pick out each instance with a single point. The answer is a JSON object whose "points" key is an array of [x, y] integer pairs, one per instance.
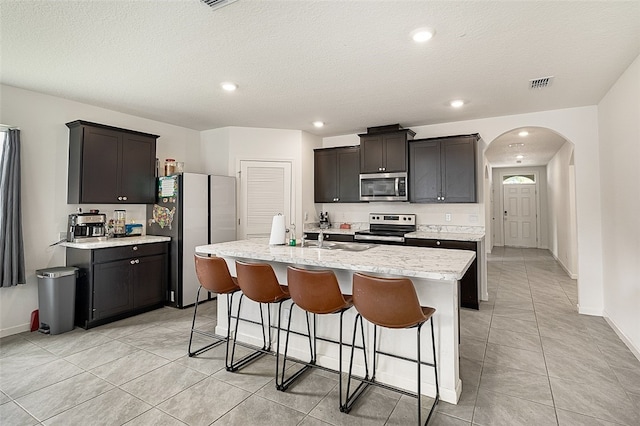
{"points": [[217, 4], [540, 83]]}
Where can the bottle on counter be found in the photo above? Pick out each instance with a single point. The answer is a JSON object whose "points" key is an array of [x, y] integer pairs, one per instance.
{"points": [[169, 166]]}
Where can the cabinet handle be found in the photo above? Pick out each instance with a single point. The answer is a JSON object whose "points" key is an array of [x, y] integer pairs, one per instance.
{"points": [[135, 248], [119, 198], [132, 262], [437, 243], [124, 198], [137, 260]]}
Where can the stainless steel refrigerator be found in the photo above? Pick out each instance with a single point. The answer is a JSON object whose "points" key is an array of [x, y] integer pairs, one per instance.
{"points": [[193, 209]]}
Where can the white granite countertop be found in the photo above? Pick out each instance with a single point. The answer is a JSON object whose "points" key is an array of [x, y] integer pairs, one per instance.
{"points": [[419, 262], [444, 235], [117, 242], [427, 233]]}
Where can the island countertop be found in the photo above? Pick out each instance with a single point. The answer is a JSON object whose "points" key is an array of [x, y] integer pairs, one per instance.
{"points": [[418, 262]]}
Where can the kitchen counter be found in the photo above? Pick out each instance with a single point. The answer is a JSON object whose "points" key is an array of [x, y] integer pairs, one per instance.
{"points": [[434, 264], [451, 233], [435, 274], [116, 242]]}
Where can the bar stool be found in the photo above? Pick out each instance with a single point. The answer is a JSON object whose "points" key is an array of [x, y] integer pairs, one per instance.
{"points": [[316, 292], [214, 276], [390, 303], [258, 282]]}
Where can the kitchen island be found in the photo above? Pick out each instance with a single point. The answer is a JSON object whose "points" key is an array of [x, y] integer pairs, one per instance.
{"points": [[434, 272]]}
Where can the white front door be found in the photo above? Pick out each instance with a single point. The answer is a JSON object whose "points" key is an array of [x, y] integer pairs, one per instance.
{"points": [[520, 221], [265, 191]]}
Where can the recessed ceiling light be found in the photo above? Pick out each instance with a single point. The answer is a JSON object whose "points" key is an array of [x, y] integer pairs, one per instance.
{"points": [[421, 35], [457, 103], [523, 133], [519, 157], [228, 86], [318, 124]]}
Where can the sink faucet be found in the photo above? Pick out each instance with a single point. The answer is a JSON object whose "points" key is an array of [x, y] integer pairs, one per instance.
{"points": [[320, 238]]}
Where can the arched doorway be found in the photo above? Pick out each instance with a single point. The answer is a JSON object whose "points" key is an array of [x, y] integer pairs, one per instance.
{"points": [[532, 193]]}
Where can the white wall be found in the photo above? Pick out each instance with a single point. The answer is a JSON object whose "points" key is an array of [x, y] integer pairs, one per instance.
{"points": [[215, 152], [578, 125], [498, 203], [561, 218], [619, 122], [44, 149]]}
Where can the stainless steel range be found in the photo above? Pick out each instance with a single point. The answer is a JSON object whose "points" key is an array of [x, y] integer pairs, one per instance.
{"points": [[387, 228]]}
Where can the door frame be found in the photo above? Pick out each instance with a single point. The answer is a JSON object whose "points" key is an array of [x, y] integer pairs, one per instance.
{"points": [[524, 171]]}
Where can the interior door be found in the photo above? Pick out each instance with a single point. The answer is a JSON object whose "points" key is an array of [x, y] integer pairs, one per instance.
{"points": [[265, 191], [520, 221]]}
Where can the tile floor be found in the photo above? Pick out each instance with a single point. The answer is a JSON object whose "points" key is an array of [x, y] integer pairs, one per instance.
{"points": [[527, 358]]}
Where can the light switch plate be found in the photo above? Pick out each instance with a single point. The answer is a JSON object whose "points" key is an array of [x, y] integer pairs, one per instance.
{"points": [[447, 217]]}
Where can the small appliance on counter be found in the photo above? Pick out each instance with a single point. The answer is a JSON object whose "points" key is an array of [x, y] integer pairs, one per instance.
{"points": [[83, 226], [324, 220], [133, 229], [119, 223]]}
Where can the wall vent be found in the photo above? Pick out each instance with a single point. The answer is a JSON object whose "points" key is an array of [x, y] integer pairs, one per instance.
{"points": [[540, 83], [217, 4]]}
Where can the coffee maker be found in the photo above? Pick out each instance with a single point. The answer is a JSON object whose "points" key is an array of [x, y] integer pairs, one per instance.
{"points": [[86, 225]]}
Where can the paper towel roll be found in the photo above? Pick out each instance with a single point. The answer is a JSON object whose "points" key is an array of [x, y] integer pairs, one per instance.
{"points": [[278, 230]]}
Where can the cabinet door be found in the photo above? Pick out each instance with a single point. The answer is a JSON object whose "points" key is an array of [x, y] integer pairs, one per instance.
{"points": [[100, 159], [458, 162], [150, 279], [371, 154], [137, 179], [325, 181], [395, 152], [112, 290], [348, 175], [424, 171]]}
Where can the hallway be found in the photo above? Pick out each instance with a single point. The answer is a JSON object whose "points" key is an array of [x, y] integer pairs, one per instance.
{"points": [[527, 358]]}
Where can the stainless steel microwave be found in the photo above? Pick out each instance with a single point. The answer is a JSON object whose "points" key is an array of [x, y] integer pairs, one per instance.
{"points": [[383, 187]]}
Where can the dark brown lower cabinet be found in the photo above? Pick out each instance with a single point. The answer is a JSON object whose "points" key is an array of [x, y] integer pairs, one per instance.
{"points": [[118, 282], [469, 283]]}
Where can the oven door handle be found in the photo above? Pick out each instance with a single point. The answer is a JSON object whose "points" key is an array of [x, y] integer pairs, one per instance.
{"points": [[397, 186]]}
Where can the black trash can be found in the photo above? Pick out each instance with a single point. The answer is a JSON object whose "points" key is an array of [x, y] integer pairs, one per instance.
{"points": [[57, 298]]}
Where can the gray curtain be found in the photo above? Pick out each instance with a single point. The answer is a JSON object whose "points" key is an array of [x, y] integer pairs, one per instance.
{"points": [[11, 246]]}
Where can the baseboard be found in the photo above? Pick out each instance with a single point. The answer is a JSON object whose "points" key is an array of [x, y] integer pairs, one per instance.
{"points": [[595, 312], [571, 274], [15, 330], [635, 350]]}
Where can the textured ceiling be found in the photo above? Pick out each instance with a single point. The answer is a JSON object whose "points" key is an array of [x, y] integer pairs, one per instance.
{"points": [[351, 64]]}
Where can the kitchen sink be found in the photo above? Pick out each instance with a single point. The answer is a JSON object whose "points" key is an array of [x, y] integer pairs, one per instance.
{"points": [[331, 245]]}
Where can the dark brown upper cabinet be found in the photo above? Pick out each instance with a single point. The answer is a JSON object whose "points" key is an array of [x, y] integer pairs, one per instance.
{"points": [[336, 175], [109, 165], [384, 149], [443, 170]]}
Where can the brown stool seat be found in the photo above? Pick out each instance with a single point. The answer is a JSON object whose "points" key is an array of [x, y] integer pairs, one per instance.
{"points": [[259, 283], [316, 292], [213, 275], [390, 303]]}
